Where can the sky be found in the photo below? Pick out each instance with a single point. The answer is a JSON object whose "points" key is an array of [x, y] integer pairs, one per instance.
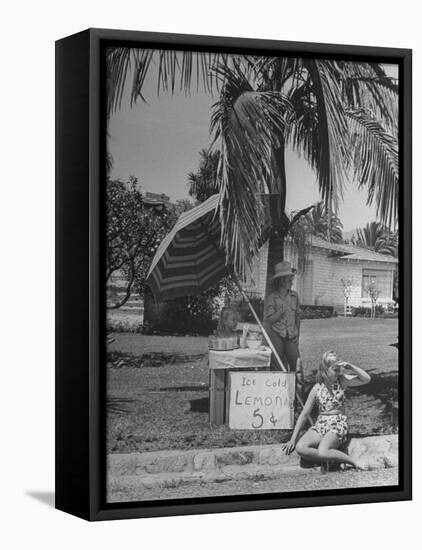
{"points": [[159, 143]]}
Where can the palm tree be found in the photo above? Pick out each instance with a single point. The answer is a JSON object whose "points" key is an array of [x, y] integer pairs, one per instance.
{"points": [[322, 109], [377, 237], [203, 183], [324, 225], [388, 243], [341, 116], [312, 221]]}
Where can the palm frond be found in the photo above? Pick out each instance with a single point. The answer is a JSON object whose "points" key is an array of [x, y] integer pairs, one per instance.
{"points": [[277, 73], [321, 223], [388, 243], [245, 125], [142, 60], [386, 81], [327, 140], [376, 163], [203, 183], [377, 237], [174, 71], [296, 216], [304, 136], [337, 114], [366, 86], [118, 62]]}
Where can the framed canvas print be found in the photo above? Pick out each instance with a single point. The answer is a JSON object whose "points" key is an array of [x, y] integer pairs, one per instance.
{"points": [[233, 274]]}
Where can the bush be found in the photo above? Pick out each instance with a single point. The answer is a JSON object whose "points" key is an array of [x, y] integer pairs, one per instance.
{"points": [[132, 324], [245, 311], [306, 312], [394, 315], [187, 315], [316, 312], [362, 311], [379, 311]]}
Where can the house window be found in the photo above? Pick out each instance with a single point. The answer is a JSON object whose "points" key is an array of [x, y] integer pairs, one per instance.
{"points": [[382, 281]]}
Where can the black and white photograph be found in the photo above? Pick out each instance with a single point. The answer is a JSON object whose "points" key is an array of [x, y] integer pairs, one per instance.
{"points": [[252, 274], [211, 274]]}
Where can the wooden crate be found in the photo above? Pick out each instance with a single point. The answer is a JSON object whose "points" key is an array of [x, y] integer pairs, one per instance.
{"points": [[218, 390]]}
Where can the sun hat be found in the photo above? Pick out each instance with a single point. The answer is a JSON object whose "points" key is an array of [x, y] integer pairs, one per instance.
{"points": [[283, 269]]}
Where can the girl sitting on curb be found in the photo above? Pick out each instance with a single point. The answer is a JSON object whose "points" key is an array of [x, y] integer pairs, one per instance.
{"points": [[320, 443]]}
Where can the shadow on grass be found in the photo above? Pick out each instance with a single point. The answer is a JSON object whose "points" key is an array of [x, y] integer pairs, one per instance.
{"points": [[120, 405], [382, 388], [199, 405], [179, 388], [119, 359]]}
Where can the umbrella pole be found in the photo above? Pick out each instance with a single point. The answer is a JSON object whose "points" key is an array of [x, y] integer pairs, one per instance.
{"points": [[245, 297], [261, 326]]}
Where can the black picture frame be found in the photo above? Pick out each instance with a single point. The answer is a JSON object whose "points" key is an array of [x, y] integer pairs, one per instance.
{"points": [[80, 304]]}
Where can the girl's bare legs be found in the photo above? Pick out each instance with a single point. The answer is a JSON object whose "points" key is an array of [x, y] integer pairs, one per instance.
{"points": [[307, 446], [327, 450]]}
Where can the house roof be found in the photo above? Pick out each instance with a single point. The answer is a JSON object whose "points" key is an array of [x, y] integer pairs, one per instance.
{"points": [[350, 252]]}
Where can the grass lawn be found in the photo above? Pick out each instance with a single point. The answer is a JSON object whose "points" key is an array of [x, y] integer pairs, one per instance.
{"points": [[159, 399]]}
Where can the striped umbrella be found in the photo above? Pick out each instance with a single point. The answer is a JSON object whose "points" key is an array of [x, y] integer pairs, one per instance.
{"points": [[189, 259]]}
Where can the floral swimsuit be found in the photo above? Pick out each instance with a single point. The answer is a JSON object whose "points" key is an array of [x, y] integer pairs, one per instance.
{"points": [[329, 401]]}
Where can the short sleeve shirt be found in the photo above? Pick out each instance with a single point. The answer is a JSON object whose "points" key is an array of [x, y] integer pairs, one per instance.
{"points": [[286, 326]]}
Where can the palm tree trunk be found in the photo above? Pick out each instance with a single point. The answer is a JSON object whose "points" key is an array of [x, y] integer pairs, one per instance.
{"points": [[330, 213], [275, 255], [277, 187]]}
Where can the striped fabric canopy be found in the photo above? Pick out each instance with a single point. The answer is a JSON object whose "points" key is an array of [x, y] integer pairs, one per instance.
{"points": [[189, 259]]}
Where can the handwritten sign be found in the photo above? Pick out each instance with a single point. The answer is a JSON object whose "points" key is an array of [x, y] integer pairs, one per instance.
{"points": [[261, 400]]}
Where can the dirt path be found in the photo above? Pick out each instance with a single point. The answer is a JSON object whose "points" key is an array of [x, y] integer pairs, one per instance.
{"points": [[312, 481]]}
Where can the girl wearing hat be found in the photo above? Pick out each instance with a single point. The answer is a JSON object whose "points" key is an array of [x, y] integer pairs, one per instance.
{"points": [[281, 316], [321, 441]]}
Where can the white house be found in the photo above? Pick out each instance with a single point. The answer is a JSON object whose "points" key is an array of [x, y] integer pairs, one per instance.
{"points": [[320, 282]]}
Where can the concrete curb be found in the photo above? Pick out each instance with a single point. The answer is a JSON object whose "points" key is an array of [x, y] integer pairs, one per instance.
{"points": [[173, 468]]}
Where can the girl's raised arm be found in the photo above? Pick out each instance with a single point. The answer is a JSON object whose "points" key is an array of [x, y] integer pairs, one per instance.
{"points": [[357, 376]]}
